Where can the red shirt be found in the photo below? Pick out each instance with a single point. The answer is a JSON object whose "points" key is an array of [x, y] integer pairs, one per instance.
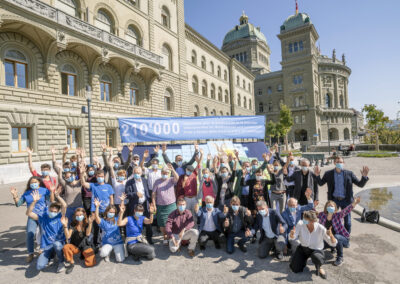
{"points": [[187, 185], [208, 190], [47, 183]]}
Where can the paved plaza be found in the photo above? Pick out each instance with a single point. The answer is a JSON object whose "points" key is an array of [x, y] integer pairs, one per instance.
{"points": [[372, 257]]}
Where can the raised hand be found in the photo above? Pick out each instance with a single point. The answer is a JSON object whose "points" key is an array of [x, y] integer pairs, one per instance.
{"points": [[364, 171], [123, 197], [104, 147], [285, 171], [53, 150], [209, 157], [65, 150], [78, 151], [97, 202], [196, 147], [35, 195], [14, 191], [119, 148], [169, 165], [281, 229], [156, 149], [58, 190], [64, 221], [356, 201], [122, 208], [236, 153], [146, 154], [29, 151], [90, 219], [164, 147], [308, 193], [131, 147], [317, 171]]}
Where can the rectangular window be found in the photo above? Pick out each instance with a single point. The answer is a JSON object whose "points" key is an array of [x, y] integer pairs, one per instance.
{"points": [[9, 67], [110, 140], [301, 45], [290, 47], [105, 90], [164, 19], [259, 92], [20, 139], [133, 97], [72, 138], [303, 119], [16, 74], [167, 103], [296, 47], [68, 84]]}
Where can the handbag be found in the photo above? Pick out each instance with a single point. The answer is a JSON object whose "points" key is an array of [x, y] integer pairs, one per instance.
{"points": [[370, 216]]}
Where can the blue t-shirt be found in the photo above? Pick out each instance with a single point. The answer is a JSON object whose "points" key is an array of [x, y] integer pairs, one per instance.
{"points": [[52, 230], [134, 228], [110, 233], [40, 206], [101, 192]]}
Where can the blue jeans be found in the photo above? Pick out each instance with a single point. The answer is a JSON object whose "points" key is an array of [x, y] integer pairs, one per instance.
{"points": [[31, 227], [48, 254], [347, 219], [342, 241], [230, 242]]}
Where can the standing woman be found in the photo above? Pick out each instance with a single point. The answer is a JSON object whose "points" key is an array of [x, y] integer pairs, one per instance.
{"points": [[207, 187], [259, 189], [78, 239], [111, 237], [164, 197], [278, 189], [34, 183], [87, 194]]}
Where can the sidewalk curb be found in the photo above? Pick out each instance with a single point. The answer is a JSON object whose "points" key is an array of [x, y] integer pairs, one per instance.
{"points": [[382, 220]]}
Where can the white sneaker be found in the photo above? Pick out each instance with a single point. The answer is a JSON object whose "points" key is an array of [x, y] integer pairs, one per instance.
{"points": [[60, 267], [107, 258]]}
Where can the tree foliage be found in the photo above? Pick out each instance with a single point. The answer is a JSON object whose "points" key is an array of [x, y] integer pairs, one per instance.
{"points": [[376, 121]]}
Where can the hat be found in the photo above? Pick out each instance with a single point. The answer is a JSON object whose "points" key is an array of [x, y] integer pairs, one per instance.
{"points": [[190, 168]]}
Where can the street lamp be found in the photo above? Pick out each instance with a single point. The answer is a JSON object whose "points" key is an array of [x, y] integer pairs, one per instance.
{"points": [[329, 139], [88, 94]]}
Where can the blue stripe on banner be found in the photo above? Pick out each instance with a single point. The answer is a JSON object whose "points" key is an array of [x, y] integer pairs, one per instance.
{"points": [[139, 129]]}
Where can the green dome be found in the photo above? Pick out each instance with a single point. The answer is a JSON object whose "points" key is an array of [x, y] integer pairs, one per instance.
{"points": [[244, 30], [295, 21]]}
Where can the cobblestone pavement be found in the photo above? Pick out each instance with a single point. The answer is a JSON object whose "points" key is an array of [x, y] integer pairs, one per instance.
{"points": [[372, 257]]}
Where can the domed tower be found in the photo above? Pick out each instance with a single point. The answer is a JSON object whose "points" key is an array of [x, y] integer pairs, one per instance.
{"points": [[248, 44]]}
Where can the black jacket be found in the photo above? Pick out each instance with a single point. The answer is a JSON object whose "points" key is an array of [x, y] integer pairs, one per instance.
{"points": [[297, 177], [247, 221], [275, 220], [184, 164], [251, 183]]}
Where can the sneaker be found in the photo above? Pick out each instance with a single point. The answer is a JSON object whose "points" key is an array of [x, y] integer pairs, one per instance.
{"points": [[242, 248], [60, 267], [165, 242], [218, 246], [29, 258], [279, 256], [107, 258], [338, 262], [69, 268]]}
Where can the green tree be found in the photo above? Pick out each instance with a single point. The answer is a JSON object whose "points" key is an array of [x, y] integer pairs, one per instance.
{"points": [[376, 120], [270, 131], [285, 123]]}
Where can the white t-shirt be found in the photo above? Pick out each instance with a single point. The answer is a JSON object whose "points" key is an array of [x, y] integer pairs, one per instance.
{"points": [[119, 188], [315, 239]]}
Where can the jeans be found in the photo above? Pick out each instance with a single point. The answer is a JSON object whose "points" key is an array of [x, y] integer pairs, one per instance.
{"points": [[230, 242], [119, 251], [341, 242], [347, 219], [55, 249], [31, 227]]}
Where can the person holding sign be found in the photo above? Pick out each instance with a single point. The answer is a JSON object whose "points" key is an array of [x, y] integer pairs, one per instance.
{"points": [[179, 165]]}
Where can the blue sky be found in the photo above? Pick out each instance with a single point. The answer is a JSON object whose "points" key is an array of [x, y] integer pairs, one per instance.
{"points": [[367, 31]]}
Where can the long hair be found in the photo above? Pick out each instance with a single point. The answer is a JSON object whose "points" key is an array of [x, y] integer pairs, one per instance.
{"points": [[109, 207], [330, 202], [39, 179], [74, 222]]}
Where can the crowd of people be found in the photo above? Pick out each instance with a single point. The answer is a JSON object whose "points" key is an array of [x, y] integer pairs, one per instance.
{"points": [[91, 209]]}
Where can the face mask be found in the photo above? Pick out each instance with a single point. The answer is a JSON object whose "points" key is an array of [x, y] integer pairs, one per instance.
{"points": [[135, 162], [121, 178], [179, 163], [52, 214], [154, 166], [224, 175], [188, 173], [74, 164], [116, 165], [339, 166], [254, 167], [45, 173], [291, 163], [222, 165], [100, 179], [164, 176], [304, 169], [205, 176], [73, 170], [136, 176], [330, 209], [305, 222], [276, 168], [70, 179], [235, 207], [292, 209], [209, 205], [110, 215], [90, 173], [262, 212], [66, 170], [138, 214], [34, 186], [182, 208], [79, 218], [258, 178], [248, 169]]}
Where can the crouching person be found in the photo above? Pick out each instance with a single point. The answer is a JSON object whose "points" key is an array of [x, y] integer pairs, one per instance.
{"points": [[209, 223], [136, 245], [78, 239], [53, 237], [179, 227]]}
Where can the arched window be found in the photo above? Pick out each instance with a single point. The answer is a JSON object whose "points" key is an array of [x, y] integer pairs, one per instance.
{"points": [[260, 107], [250, 105], [244, 84], [195, 84], [225, 75], [194, 57], [133, 94], [279, 88], [16, 69], [249, 87], [244, 102], [204, 91], [226, 96], [68, 80], [203, 62], [221, 113], [328, 102], [196, 111], [67, 6], [269, 90], [237, 81], [165, 17], [104, 21], [206, 111], [341, 102], [212, 91], [219, 71], [168, 100], [220, 94], [133, 35], [105, 88], [239, 103], [213, 112], [301, 101], [212, 66], [167, 53]]}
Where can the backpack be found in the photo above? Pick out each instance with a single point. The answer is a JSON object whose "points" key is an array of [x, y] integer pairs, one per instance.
{"points": [[370, 216]]}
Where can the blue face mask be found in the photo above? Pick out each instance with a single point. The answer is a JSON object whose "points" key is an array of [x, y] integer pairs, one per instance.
{"points": [[235, 207], [205, 176], [164, 176], [179, 163], [100, 179], [291, 163], [209, 205], [248, 169], [74, 164], [70, 179], [254, 167], [116, 165], [258, 178], [66, 170], [304, 168], [136, 176], [138, 214], [121, 178], [154, 166], [339, 166], [305, 222], [34, 186], [52, 214], [91, 173], [45, 173], [276, 168], [182, 208], [262, 212], [292, 209], [79, 218], [222, 165], [110, 215], [330, 209], [224, 175], [188, 173], [73, 170]]}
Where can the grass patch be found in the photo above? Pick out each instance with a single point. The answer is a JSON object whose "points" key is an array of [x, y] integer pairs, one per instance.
{"points": [[377, 155]]}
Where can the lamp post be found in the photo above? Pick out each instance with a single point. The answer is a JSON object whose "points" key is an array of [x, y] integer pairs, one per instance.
{"points": [[88, 94], [329, 139]]}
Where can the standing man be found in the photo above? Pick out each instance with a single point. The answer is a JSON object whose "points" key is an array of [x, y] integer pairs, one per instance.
{"points": [[340, 185], [179, 165]]}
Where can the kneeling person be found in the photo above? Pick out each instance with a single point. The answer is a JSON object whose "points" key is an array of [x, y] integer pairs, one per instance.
{"points": [[209, 223]]}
